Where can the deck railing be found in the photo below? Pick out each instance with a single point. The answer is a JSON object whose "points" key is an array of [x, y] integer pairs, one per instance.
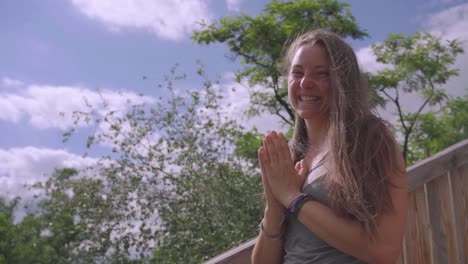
{"points": [[437, 229]]}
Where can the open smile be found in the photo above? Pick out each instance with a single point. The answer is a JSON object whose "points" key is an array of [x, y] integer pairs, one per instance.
{"points": [[309, 98]]}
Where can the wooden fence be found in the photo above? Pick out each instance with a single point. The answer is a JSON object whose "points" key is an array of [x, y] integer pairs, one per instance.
{"points": [[437, 229]]}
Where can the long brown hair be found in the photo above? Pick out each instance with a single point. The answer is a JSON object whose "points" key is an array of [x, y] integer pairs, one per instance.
{"points": [[362, 149]]}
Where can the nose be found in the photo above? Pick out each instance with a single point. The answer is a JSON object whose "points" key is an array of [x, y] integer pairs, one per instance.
{"points": [[307, 82]]}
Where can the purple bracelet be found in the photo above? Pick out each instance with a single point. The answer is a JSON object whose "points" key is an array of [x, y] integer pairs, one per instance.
{"points": [[296, 204]]}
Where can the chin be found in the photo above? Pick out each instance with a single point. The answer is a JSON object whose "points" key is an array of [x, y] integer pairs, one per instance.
{"points": [[313, 115]]}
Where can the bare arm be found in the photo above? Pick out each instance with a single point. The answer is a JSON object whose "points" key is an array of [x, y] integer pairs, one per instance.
{"points": [[269, 250], [349, 237]]}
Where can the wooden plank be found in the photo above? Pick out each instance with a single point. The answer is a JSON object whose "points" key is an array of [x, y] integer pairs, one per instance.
{"points": [[237, 255], [432, 167], [418, 246], [404, 254], [459, 183], [400, 259], [442, 221]]}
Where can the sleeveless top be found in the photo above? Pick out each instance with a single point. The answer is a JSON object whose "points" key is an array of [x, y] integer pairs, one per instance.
{"points": [[301, 245]]}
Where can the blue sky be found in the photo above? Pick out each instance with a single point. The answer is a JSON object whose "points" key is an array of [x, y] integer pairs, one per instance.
{"points": [[53, 53]]}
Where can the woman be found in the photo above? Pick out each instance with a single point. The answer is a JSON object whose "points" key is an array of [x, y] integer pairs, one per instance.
{"points": [[350, 207]]}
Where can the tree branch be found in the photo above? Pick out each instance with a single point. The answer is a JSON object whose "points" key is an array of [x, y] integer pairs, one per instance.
{"points": [[279, 98], [253, 59], [422, 106], [398, 106]]}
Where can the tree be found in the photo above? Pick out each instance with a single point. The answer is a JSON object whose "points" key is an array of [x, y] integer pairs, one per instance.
{"points": [[259, 42], [175, 191], [7, 229], [438, 130], [247, 146], [77, 217], [420, 63], [27, 241]]}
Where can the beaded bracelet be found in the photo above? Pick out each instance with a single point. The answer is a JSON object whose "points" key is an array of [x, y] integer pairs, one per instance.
{"points": [[296, 204], [292, 210], [270, 235]]}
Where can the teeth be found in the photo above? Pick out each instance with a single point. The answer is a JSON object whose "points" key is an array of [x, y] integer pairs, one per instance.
{"points": [[309, 98]]}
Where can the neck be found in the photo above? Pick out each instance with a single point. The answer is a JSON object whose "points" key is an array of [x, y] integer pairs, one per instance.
{"points": [[317, 134]]}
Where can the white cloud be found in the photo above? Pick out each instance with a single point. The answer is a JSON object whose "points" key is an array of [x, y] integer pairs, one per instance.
{"points": [[168, 19], [367, 60], [451, 23], [237, 100], [52, 106], [445, 2], [442, 1], [8, 82], [28, 165], [233, 5]]}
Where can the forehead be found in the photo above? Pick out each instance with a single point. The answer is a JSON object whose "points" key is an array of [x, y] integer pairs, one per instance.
{"points": [[310, 55]]}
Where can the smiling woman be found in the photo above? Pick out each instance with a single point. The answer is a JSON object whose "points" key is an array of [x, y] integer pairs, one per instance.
{"points": [[351, 206]]}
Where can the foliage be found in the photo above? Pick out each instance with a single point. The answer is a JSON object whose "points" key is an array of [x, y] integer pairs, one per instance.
{"points": [[27, 241], [438, 130], [259, 42], [78, 216], [247, 146], [172, 185], [420, 63]]}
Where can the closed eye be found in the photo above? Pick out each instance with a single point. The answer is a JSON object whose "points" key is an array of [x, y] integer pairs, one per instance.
{"points": [[324, 73], [296, 74]]}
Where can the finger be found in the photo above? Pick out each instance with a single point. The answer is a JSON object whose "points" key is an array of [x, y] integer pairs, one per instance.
{"points": [[263, 159], [277, 143], [298, 167], [261, 154], [272, 152], [264, 164], [304, 168], [284, 144], [265, 147], [283, 147]]}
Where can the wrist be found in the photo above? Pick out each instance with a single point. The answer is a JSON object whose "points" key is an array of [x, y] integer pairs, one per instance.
{"points": [[296, 204], [273, 224], [269, 235], [288, 198], [273, 209], [273, 214]]}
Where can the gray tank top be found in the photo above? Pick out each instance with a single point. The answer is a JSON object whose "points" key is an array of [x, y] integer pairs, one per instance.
{"points": [[301, 245]]}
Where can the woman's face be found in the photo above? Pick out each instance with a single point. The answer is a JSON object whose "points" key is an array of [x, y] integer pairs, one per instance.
{"points": [[309, 82]]}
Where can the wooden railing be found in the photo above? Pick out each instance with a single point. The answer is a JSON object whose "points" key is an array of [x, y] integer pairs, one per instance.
{"points": [[437, 229]]}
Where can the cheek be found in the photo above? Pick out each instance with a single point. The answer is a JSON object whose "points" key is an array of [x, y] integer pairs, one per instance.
{"points": [[292, 98], [325, 86], [292, 90]]}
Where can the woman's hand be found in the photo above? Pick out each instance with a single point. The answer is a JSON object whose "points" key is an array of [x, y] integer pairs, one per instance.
{"points": [[279, 175], [272, 204]]}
